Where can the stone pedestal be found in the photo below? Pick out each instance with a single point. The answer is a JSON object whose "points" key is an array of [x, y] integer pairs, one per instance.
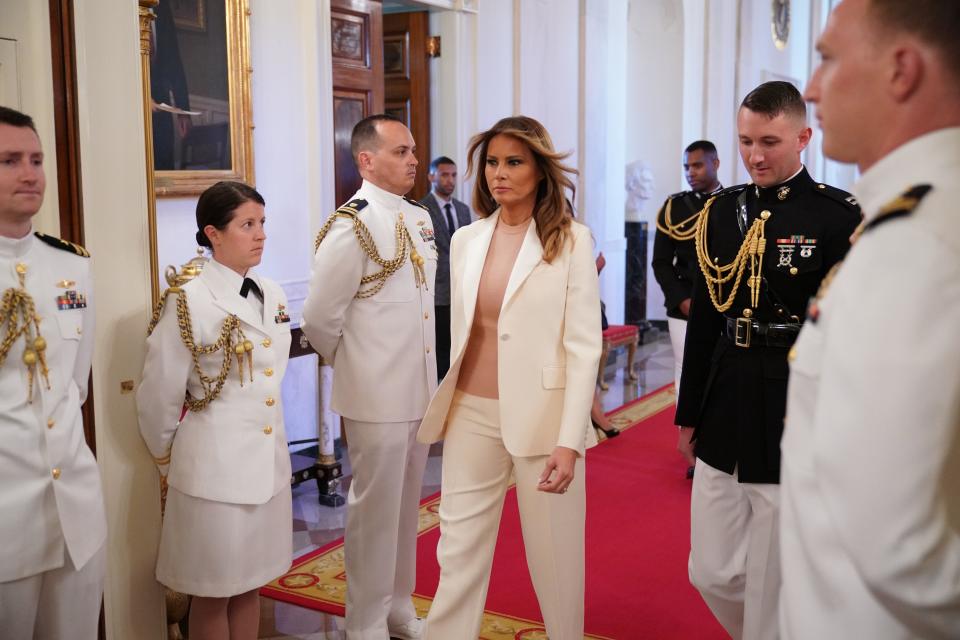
{"points": [[635, 285]]}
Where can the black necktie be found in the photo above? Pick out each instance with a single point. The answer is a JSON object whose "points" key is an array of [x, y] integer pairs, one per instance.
{"points": [[450, 225], [248, 286]]}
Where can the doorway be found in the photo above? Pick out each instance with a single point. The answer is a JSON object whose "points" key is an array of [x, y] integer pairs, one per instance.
{"points": [[380, 65]]}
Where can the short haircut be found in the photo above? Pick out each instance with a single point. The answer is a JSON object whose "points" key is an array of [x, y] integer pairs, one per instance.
{"points": [[218, 204], [14, 118], [365, 136], [701, 145], [439, 160], [935, 22], [776, 97]]}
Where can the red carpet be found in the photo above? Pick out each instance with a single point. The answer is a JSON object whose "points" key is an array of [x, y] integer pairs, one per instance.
{"points": [[638, 524]]}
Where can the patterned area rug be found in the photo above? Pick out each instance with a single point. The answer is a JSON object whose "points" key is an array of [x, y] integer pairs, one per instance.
{"points": [[317, 580]]}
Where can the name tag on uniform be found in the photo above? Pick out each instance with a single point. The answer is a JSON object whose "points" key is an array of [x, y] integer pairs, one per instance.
{"points": [[281, 316], [71, 300]]}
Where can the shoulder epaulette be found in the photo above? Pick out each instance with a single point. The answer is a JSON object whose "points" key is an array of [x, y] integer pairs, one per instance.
{"points": [[678, 194], [902, 205], [353, 207], [839, 195], [63, 245], [416, 203]]}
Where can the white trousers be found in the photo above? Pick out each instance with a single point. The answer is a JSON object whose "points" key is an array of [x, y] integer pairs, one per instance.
{"points": [[477, 471], [60, 604], [678, 333], [734, 551], [382, 515]]}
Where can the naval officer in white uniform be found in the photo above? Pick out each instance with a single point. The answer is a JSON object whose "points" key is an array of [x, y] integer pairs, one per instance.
{"points": [[870, 531], [53, 528], [214, 422], [369, 313]]}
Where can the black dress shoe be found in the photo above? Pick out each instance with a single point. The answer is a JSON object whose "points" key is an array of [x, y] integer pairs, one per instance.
{"points": [[613, 432]]}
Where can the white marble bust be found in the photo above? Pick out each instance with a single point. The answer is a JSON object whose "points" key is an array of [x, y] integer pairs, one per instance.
{"points": [[640, 186]]}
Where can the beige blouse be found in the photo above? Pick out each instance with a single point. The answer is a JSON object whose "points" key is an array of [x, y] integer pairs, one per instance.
{"points": [[478, 371]]}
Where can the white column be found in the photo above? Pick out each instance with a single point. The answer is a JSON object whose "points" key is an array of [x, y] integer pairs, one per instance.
{"points": [[115, 204], [603, 153]]}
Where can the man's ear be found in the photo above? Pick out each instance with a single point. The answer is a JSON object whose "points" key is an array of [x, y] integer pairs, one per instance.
{"points": [[906, 71], [803, 139], [364, 160]]}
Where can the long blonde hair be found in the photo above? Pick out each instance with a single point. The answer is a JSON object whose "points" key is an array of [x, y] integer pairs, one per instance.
{"points": [[550, 211]]}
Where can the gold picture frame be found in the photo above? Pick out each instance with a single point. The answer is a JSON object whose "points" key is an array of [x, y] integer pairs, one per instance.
{"points": [[198, 140]]}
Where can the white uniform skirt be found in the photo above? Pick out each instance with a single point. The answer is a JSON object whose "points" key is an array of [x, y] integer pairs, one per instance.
{"points": [[219, 549]]}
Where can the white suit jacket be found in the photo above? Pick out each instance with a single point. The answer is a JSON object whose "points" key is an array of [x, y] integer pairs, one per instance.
{"points": [[381, 347], [226, 452], [870, 482], [550, 340], [50, 492]]}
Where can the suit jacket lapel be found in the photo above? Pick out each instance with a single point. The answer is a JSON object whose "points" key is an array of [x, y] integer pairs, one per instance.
{"points": [[531, 253], [230, 300], [463, 213], [440, 232], [476, 255]]}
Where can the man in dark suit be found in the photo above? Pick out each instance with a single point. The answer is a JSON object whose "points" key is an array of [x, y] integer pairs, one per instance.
{"points": [[448, 214]]}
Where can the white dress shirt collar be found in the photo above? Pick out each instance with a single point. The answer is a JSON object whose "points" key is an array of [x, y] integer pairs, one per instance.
{"points": [[441, 200], [16, 247], [230, 278], [375, 195], [932, 156]]}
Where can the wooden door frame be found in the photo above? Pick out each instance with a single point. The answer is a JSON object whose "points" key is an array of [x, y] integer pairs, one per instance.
{"points": [[63, 62], [417, 81]]}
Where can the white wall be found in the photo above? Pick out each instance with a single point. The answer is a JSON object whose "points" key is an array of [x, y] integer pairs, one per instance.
{"points": [[26, 28], [293, 163], [539, 58], [654, 132], [604, 115], [114, 201]]}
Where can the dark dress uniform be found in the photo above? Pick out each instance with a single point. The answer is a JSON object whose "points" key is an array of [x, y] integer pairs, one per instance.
{"points": [[675, 261], [734, 387]]}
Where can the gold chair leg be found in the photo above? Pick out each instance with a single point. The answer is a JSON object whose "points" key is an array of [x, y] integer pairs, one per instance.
{"points": [[603, 361], [631, 352]]}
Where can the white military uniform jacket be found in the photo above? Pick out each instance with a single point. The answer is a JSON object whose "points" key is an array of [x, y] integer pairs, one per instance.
{"points": [[50, 493], [233, 450], [381, 347], [550, 340], [870, 487]]}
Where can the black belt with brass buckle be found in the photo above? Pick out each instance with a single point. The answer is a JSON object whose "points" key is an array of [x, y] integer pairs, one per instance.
{"points": [[745, 332]]}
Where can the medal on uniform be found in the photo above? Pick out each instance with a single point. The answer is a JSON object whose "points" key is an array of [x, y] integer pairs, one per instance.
{"points": [[426, 234], [786, 255], [281, 316], [71, 300]]}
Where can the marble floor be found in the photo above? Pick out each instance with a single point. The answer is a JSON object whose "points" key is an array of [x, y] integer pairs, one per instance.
{"points": [[315, 525]]}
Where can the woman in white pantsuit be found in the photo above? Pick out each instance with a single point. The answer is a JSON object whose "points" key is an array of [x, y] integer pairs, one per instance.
{"points": [[525, 316], [219, 349]]}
